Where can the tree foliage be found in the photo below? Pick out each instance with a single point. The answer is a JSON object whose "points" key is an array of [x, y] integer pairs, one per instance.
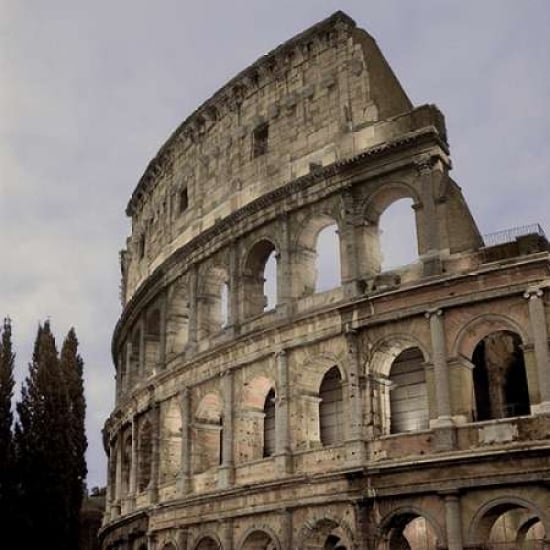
{"points": [[7, 358], [50, 444]]}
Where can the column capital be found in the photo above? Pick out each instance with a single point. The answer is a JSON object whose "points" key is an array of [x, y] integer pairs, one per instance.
{"points": [[533, 292], [437, 311]]}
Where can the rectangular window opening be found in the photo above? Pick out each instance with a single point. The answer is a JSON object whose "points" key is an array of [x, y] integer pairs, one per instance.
{"points": [[184, 200], [259, 140]]}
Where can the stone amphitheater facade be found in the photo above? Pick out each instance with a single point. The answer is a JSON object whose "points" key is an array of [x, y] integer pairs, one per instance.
{"points": [[405, 408]]}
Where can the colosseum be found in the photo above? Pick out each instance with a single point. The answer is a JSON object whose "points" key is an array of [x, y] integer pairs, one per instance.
{"points": [[401, 409]]}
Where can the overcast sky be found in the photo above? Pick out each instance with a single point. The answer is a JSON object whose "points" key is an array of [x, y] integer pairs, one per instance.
{"points": [[90, 90]]}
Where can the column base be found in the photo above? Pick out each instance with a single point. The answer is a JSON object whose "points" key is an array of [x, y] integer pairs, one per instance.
{"points": [[283, 463], [356, 452], [445, 438], [541, 408], [226, 477], [183, 485]]}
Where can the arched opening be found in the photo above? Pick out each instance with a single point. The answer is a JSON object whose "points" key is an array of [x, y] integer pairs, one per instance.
{"points": [[177, 321], [269, 424], [327, 265], [260, 279], [145, 455], [509, 525], [207, 434], [170, 447], [152, 341], [207, 543], [331, 408], [224, 303], [499, 376], [326, 534], [135, 352], [258, 540], [212, 310], [409, 532], [316, 259], [397, 230], [126, 464], [408, 392]]}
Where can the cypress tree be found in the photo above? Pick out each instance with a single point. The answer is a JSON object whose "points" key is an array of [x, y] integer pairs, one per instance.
{"points": [[72, 368], [43, 447], [7, 484]]}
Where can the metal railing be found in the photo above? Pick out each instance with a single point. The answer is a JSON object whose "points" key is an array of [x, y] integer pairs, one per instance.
{"points": [[510, 235]]}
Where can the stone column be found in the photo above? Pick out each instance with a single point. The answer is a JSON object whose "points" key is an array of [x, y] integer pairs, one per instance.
{"points": [[141, 348], [355, 443], [128, 366], [430, 177], [184, 478], [348, 246], [162, 343], [133, 462], [445, 435], [453, 521], [226, 472], [227, 535], [286, 528], [233, 290], [282, 424], [118, 375], [155, 459], [193, 309], [118, 473], [537, 317], [110, 495], [284, 268]]}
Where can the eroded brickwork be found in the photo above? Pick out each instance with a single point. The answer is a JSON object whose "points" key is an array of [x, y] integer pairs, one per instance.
{"points": [[372, 415]]}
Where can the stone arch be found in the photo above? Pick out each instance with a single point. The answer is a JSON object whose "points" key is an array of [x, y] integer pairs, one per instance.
{"points": [[177, 317], [371, 210], [259, 538], [212, 313], [170, 443], [482, 325], [315, 534], [169, 546], [392, 529], [315, 368], [152, 335], [396, 372], [331, 408], [207, 433], [488, 514], [254, 300], [208, 541], [306, 253], [258, 407], [145, 454]]}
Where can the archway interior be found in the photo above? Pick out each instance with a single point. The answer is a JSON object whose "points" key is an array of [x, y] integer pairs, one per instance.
{"points": [[331, 408], [269, 424], [410, 532], [397, 231], [408, 393], [208, 544], [500, 379], [327, 264], [258, 540]]}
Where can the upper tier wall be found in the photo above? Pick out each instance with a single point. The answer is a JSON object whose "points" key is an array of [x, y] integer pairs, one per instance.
{"points": [[325, 95]]}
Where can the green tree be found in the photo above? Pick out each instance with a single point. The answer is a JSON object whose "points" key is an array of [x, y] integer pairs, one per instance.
{"points": [[72, 369], [44, 449], [7, 486]]}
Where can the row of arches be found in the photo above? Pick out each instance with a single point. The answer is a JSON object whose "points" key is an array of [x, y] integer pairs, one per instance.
{"points": [[400, 404], [508, 523], [220, 299]]}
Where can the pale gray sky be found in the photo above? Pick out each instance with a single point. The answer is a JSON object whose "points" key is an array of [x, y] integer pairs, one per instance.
{"points": [[90, 90]]}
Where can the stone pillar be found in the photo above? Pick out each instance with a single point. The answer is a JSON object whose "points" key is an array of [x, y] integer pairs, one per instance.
{"points": [[445, 435], [155, 459], [226, 472], [286, 528], [141, 348], [227, 535], [430, 177], [184, 478], [284, 271], [118, 375], [133, 462], [193, 308], [128, 366], [282, 421], [183, 538], [118, 474], [110, 496], [350, 271], [355, 442], [162, 343], [537, 317], [233, 290], [453, 521]]}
